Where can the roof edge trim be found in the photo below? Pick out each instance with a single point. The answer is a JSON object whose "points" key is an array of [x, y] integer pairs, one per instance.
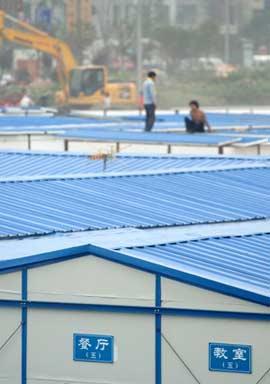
{"points": [[183, 277]]}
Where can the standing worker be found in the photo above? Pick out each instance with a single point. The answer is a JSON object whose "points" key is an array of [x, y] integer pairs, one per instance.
{"points": [[106, 103], [149, 97], [26, 102]]}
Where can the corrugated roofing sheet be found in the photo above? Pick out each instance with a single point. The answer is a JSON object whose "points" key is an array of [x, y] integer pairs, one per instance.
{"points": [[63, 205], [216, 119], [124, 123], [42, 123], [234, 265], [49, 164], [151, 138], [232, 262], [20, 251]]}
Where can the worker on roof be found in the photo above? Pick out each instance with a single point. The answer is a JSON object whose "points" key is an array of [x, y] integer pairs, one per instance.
{"points": [[26, 102], [149, 97], [197, 121]]}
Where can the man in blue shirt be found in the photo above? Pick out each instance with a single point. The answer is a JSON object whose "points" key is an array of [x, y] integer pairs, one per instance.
{"points": [[149, 97]]}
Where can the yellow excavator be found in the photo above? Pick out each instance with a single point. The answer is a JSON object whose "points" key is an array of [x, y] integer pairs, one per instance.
{"points": [[81, 86]]}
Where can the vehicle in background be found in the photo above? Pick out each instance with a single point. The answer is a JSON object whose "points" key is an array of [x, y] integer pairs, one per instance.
{"points": [[81, 86], [216, 65], [261, 61]]}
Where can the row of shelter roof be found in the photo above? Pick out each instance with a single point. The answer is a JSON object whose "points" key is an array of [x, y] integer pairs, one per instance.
{"points": [[40, 206], [219, 121], [132, 195], [156, 257], [28, 163], [237, 132]]}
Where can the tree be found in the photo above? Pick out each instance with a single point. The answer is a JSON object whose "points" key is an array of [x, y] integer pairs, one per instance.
{"points": [[6, 58], [102, 14], [179, 44], [258, 30], [80, 38], [207, 41]]}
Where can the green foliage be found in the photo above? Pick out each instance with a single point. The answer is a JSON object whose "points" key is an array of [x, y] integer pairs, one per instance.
{"points": [[178, 43], [81, 37], [207, 40], [258, 30], [42, 92], [6, 58], [240, 88]]}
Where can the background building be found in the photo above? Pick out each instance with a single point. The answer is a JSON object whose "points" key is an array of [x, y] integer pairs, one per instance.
{"points": [[58, 16], [187, 13], [13, 7], [78, 11]]}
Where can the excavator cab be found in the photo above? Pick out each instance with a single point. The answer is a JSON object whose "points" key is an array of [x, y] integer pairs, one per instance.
{"points": [[86, 87], [85, 82]]}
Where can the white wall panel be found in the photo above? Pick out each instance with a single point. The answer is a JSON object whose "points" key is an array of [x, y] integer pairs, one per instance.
{"points": [[179, 295], [91, 280], [10, 286], [190, 338], [50, 355], [10, 355]]}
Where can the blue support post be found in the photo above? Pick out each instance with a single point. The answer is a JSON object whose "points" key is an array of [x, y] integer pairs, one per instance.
{"points": [[158, 331], [24, 329]]}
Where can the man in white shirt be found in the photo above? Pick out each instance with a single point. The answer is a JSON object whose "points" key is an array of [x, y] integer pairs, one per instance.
{"points": [[26, 101], [149, 97]]}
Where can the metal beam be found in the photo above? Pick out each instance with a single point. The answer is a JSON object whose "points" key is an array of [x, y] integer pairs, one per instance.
{"points": [[139, 47], [24, 328]]}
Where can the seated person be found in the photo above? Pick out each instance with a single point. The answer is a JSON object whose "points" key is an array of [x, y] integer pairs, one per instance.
{"points": [[197, 120]]}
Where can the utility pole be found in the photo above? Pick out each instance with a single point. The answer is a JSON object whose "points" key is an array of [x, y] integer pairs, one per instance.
{"points": [[139, 46], [227, 32], [78, 11]]}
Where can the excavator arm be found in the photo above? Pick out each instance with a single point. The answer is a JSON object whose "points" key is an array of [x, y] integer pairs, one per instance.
{"points": [[81, 87], [31, 37]]}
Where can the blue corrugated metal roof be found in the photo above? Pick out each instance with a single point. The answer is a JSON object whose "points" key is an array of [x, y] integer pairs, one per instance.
{"points": [[18, 249], [153, 137], [248, 133], [49, 164], [33, 111], [248, 141], [63, 205], [164, 122], [235, 265], [43, 123], [216, 119]]}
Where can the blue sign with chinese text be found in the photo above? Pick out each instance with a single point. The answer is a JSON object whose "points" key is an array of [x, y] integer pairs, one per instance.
{"points": [[93, 348], [230, 358]]}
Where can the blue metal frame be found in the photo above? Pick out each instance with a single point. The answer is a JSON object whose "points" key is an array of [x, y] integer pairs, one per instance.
{"points": [[133, 262], [135, 310], [157, 310], [158, 321], [24, 327], [197, 281], [13, 265]]}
